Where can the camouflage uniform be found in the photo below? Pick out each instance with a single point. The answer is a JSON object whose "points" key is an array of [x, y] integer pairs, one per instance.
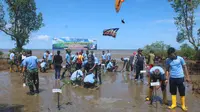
{"points": [[32, 79]]}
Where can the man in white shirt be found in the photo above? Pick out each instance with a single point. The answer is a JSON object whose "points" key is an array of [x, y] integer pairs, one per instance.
{"points": [[126, 64], [76, 77], [89, 81], [11, 62]]}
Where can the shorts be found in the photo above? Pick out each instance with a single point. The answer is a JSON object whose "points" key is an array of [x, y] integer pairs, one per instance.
{"points": [[175, 83]]}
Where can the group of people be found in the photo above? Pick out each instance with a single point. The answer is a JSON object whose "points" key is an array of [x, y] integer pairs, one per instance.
{"points": [[85, 69], [176, 73]]}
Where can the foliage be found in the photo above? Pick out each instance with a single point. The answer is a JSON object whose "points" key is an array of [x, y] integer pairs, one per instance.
{"points": [[23, 20], [185, 20], [159, 48], [187, 51], [1, 53]]}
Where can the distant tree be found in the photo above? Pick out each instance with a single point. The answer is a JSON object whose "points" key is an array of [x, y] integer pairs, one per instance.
{"points": [[23, 20], [159, 47], [185, 21], [187, 51], [1, 53]]}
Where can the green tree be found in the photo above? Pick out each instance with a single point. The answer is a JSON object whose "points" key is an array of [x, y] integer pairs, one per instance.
{"points": [[185, 21], [159, 47], [23, 20], [187, 51]]}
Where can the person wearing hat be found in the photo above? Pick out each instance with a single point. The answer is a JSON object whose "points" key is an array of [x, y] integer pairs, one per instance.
{"points": [[31, 67], [176, 66], [157, 73], [139, 62]]}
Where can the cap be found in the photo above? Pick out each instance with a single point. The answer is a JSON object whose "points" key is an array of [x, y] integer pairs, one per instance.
{"points": [[140, 49]]}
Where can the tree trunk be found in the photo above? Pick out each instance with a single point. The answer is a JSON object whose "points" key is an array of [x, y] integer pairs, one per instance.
{"points": [[197, 57], [19, 45]]}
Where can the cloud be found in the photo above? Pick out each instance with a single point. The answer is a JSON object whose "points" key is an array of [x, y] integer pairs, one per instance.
{"points": [[165, 21], [42, 37]]}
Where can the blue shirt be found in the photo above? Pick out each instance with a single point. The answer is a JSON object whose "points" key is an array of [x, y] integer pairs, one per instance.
{"points": [[31, 62], [23, 63], [175, 67], [162, 72], [96, 61], [109, 65], [84, 56], [50, 56], [89, 78], [45, 55], [76, 75], [74, 58], [108, 56], [103, 57], [67, 57], [12, 56]]}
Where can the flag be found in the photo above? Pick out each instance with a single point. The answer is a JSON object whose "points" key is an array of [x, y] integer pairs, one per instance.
{"points": [[110, 32]]}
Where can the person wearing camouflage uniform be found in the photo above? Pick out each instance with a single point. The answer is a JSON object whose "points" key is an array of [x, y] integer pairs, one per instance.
{"points": [[31, 66], [68, 63]]}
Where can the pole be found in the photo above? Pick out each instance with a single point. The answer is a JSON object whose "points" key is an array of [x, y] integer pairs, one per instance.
{"points": [[58, 101]]}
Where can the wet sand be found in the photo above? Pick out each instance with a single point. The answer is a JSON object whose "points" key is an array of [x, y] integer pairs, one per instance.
{"points": [[117, 94]]}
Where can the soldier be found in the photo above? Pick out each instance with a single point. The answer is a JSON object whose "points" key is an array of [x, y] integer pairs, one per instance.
{"points": [[31, 66]]}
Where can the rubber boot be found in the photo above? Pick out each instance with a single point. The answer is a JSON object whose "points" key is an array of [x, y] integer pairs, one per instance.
{"points": [[31, 90], [148, 98], [165, 97], [10, 69], [173, 102], [184, 108]]}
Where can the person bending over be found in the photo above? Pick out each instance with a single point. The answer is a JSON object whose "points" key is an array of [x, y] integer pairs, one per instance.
{"points": [[89, 81], [157, 73], [126, 64], [76, 77]]}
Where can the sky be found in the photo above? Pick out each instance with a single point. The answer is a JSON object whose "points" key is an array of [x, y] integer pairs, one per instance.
{"points": [[147, 21]]}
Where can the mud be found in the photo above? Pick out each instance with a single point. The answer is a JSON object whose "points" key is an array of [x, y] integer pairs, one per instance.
{"points": [[118, 93]]}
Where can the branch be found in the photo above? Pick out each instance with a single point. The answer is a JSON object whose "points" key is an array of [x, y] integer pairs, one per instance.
{"points": [[7, 32], [186, 25]]}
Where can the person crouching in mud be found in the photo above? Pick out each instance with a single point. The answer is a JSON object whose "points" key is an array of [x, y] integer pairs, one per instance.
{"points": [[111, 67], [175, 65], [77, 77], [43, 66], [31, 66], [89, 81], [157, 73]]}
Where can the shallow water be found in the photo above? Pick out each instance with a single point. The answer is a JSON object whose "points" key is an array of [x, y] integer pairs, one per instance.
{"points": [[118, 93]]}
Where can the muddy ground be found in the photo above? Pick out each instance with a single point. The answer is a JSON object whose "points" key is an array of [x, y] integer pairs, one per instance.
{"points": [[118, 93]]}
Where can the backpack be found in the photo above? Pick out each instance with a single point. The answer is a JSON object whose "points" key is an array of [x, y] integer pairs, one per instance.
{"points": [[90, 59]]}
